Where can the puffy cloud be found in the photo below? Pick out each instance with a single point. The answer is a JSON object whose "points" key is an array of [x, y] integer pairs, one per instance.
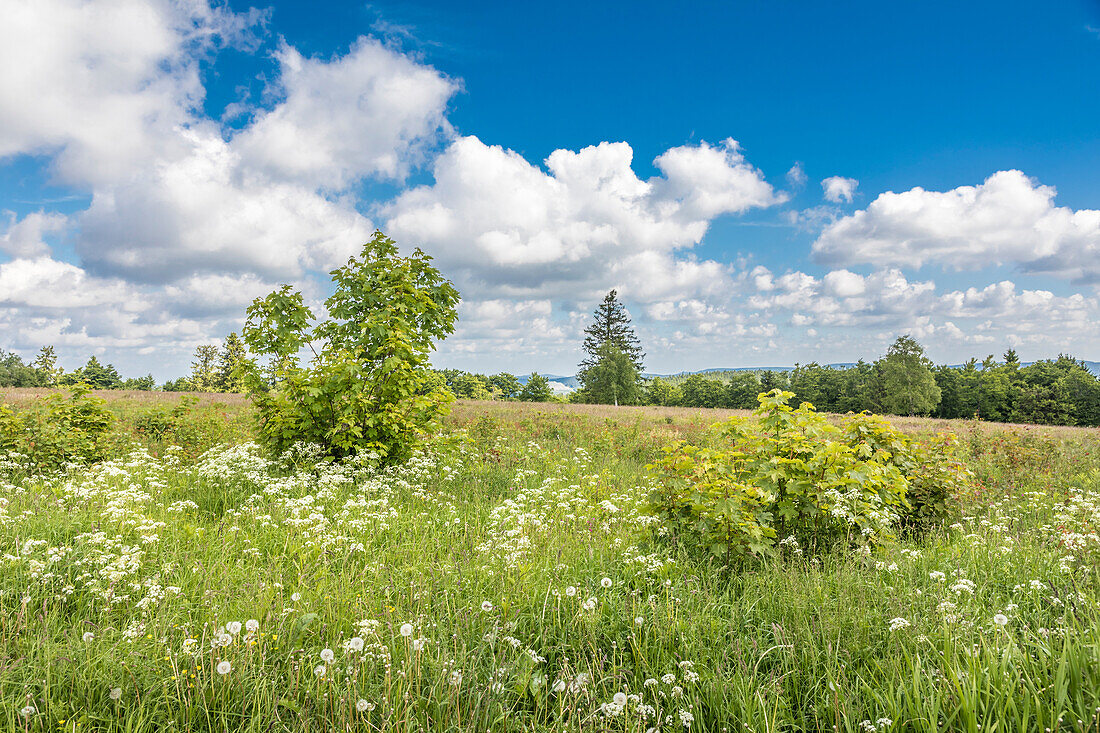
{"points": [[585, 224], [512, 330], [25, 237], [1008, 219], [43, 282], [103, 84], [189, 220], [507, 229], [839, 189], [204, 213], [883, 304], [796, 176], [844, 284], [370, 112]]}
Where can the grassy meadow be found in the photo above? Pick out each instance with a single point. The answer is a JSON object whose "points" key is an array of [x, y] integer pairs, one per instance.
{"points": [[509, 578]]}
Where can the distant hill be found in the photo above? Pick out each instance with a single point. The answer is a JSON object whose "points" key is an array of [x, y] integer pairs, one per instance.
{"points": [[564, 384]]}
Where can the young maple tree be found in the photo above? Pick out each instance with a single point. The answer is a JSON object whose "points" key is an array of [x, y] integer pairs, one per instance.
{"points": [[368, 385]]}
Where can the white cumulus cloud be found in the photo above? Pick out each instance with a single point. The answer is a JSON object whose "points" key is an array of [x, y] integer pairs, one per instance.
{"points": [[370, 112], [1007, 219], [839, 189]]}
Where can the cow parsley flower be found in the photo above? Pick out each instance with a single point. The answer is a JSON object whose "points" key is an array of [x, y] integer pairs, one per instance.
{"points": [[898, 623]]}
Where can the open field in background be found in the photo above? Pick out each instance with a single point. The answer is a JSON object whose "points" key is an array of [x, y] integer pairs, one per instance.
{"points": [[681, 422], [509, 579]]}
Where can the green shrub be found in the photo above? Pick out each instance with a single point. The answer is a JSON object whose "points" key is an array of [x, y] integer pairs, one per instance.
{"points": [[58, 429], [369, 386], [185, 425], [789, 477]]}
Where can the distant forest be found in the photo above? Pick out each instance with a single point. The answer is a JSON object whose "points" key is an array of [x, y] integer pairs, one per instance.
{"points": [[1059, 391]]}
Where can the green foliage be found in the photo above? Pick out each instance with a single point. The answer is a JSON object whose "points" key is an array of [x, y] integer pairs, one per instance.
{"points": [[14, 373], [534, 511], [610, 326], [58, 429], [662, 392], [699, 391], [537, 389], [94, 374], [792, 476], [908, 385], [45, 363], [612, 379], [469, 386], [182, 384], [184, 425], [141, 384], [505, 384], [228, 376], [204, 368], [934, 470], [369, 388]]}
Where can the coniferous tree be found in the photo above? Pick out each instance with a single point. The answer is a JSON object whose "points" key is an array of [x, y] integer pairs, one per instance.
{"points": [[611, 325], [227, 378], [613, 379], [612, 366], [204, 369], [46, 364], [98, 375]]}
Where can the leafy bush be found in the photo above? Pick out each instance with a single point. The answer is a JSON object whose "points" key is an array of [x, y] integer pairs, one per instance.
{"points": [[369, 387], [58, 429], [790, 477], [185, 425]]}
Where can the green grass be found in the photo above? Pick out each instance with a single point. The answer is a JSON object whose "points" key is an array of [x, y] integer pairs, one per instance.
{"points": [[515, 506]]}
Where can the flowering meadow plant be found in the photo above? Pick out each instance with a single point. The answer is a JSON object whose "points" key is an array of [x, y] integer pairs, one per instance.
{"points": [[513, 580]]}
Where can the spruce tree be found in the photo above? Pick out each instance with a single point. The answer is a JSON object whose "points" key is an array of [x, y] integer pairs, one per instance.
{"points": [[228, 377], [204, 369], [611, 327]]}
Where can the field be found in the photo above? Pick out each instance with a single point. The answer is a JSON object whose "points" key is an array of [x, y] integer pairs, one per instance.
{"points": [[509, 578]]}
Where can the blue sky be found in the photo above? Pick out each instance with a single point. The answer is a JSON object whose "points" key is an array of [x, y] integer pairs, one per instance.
{"points": [[163, 163]]}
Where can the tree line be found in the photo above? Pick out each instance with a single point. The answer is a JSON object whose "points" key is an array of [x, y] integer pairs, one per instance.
{"points": [[212, 370], [1060, 391], [903, 381]]}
